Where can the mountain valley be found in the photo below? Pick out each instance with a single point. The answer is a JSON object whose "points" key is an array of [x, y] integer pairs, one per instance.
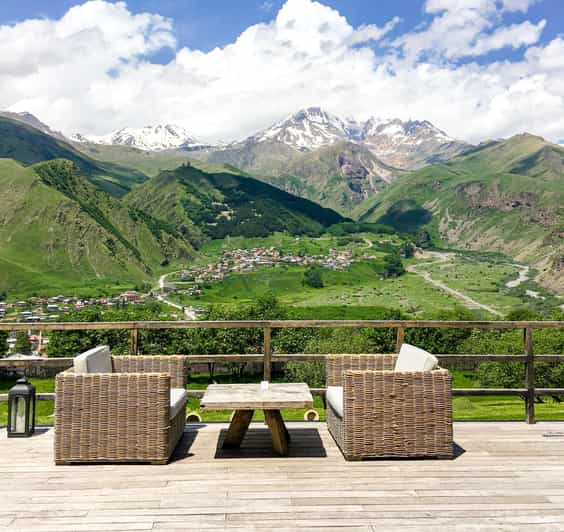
{"points": [[300, 176]]}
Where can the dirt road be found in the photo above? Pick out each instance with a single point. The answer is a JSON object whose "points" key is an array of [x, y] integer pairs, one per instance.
{"points": [[417, 269]]}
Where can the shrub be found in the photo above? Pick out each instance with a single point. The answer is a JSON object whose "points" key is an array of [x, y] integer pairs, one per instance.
{"points": [[313, 373], [22, 345], [313, 278], [3, 344], [393, 266]]}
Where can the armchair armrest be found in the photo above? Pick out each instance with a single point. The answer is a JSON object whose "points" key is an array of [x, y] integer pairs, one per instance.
{"points": [[337, 364], [173, 365]]}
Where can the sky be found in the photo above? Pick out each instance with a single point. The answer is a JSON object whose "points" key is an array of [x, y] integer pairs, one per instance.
{"points": [[224, 69]]}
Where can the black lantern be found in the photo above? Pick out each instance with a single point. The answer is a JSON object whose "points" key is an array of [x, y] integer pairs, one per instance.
{"points": [[21, 410]]}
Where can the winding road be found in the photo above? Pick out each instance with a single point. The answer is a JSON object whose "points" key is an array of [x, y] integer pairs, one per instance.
{"points": [[188, 311], [426, 276]]}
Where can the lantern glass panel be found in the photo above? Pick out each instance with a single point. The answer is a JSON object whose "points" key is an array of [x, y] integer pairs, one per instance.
{"points": [[18, 415]]}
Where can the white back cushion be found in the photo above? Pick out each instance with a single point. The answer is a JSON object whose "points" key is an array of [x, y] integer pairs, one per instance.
{"points": [[178, 397], [334, 397], [413, 358], [97, 360]]}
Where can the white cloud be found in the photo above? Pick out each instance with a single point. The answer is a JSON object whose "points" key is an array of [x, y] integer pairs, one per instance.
{"points": [[518, 5], [514, 36], [371, 32], [463, 28], [91, 71]]}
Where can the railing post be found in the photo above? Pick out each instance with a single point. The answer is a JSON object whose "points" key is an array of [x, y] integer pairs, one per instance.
{"points": [[399, 338], [134, 346], [530, 376], [267, 361]]}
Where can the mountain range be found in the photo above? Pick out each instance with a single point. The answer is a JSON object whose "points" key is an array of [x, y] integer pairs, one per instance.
{"points": [[401, 144], [503, 196], [316, 154], [62, 225], [149, 138]]}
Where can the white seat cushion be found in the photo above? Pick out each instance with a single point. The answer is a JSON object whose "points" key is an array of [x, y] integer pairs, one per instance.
{"points": [[334, 397], [178, 397], [97, 360], [413, 358]]}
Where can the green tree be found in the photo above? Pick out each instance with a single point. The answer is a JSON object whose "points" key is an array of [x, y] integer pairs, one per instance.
{"points": [[407, 250], [71, 343], [312, 277], [393, 266], [442, 341], [3, 344], [22, 345]]}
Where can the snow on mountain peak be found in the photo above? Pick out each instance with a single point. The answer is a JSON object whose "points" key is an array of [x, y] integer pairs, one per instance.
{"points": [[151, 138], [308, 129], [410, 131], [314, 128]]}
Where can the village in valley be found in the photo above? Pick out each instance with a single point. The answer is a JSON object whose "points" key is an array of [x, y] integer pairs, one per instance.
{"points": [[46, 309], [191, 281]]}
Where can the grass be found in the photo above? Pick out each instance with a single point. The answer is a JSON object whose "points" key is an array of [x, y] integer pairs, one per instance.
{"points": [[481, 276], [44, 409], [359, 286], [492, 408]]}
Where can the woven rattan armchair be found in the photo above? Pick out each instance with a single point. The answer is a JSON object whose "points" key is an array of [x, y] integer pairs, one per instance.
{"points": [[386, 413], [123, 416]]}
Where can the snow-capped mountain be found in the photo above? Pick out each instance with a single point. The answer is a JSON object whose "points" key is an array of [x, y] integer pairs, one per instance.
{"points": [[150, 138], [309, 129], [409, 144], [403, 144]]}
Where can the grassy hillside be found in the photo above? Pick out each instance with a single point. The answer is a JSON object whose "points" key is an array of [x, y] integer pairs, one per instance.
{"points": [[337, 176], [57, 231], [506, 197], [28, 145], [215, 205], [259, 159]]}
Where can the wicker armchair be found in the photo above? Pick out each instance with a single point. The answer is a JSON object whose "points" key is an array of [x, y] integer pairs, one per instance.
{"points": [[386, 413], [123, 416]]}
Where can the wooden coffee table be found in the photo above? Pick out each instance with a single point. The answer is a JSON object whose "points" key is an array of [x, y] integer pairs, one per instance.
{"points": [[246, 398]]}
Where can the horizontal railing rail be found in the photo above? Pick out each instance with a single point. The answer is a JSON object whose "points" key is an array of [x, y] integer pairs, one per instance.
{"points": [[529, 392], [278, 324]]}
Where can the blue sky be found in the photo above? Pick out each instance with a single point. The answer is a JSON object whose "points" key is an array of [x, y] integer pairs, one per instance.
{"points": [[205, 24], [225, 68]]}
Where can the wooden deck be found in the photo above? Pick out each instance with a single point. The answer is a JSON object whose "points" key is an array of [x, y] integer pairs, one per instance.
{"points": [[506, 476]]}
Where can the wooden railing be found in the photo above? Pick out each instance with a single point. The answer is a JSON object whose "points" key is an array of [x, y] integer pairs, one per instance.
{"points": [[267, 357]]}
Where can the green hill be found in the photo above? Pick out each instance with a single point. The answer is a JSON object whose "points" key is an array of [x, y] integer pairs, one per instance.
{"points": [[339, 176], [57, 231], [29, 145], [214, 205], [503, 196]]}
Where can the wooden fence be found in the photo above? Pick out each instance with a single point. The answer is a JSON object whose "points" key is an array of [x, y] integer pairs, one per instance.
{"points": [[267, 357]]}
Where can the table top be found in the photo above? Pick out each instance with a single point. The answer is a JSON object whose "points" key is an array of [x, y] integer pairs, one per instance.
{"points": [[251, 397]]}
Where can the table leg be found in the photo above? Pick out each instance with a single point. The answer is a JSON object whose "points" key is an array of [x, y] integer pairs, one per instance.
{"points": [[279, 432], [237, 428]]}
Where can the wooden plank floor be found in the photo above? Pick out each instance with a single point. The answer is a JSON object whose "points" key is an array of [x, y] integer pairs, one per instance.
{"points": [[507, 476]]}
